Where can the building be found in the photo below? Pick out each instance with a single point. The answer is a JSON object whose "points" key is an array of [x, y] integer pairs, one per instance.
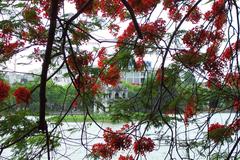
{"points": [[17, 77]]}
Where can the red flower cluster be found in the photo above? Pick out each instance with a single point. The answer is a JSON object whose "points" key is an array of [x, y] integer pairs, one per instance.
{"points": [[159, 75], [143, 145], [236, 104], [92, 8], [235, 125], [174, 11], [197, 37], [214, 126], [218, 132], [175, 14], [151, 31], [195, 15], [139, 64], [114, 29], [128, 32], [233, 79], [139, 50], [37, 35], [189, 58], [112, 8], [228, 53], [87, 84], [140, 6], [22, 95], [218, 14], [111, 76], [101, 150], [45, 6], [4, 90], [75, 62], [190, 109], [31, 15], [213, 81], [102, 57], [115, 141], [125, 157], [9, 48]]}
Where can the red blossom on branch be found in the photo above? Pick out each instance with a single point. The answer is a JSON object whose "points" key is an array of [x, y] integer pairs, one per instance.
{"points": [[91, 8], [143, 145], [22, 95], [87, 84], [189, 58], [111, 76], [139, 64], [217, 14], [102, 150], [236, 104], [235, 125], [4, 90], [31, 15], [140, 6], [218, 132], [233, 79], [195, 15], [125, 157], [112, 8], [102, 57], [190, 109], [117, 140]]}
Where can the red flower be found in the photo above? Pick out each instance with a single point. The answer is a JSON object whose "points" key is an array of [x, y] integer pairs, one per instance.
{"points": [[175, 14], [126, 34], [235, 125], [217, 14], [87, 83], [80, 60], [189, 58], [102, 57], [195, 15], [125, 157], [4, 90], [190, 109], [22, 95], [117, 140], [236, 104], [218, 132], [91, 7], [112, 8], [140, 6], [102, 150], [139, 64], [233, 79], [111, 76], [143, 145], [159, 75], [31, 15], [228, 53], [113, 29]]}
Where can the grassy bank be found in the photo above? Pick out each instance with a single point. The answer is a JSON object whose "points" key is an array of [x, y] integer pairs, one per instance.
{"points": [[80, 118]]}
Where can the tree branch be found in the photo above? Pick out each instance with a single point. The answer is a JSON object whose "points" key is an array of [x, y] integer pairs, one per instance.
{"points": [[46, 62], [130, 10]]}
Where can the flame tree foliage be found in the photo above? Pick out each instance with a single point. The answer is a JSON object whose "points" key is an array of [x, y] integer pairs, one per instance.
{"points": [[197, 37]]}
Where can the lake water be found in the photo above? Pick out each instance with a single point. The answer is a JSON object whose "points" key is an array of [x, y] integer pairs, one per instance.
{"points": [[72, 148]]}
